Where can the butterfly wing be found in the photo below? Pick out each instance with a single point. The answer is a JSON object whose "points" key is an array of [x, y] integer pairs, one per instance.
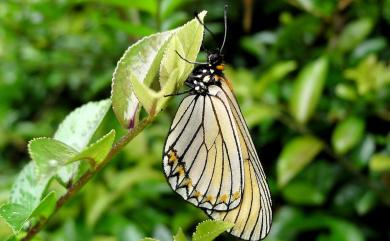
{"points": [[202, 157], [253, 217]]}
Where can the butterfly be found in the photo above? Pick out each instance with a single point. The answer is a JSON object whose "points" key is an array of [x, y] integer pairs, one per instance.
{"points": [[209, 158]]}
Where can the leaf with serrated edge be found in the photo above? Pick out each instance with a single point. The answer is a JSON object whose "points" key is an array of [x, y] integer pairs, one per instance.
{"points": [[79, 126], [298, 153], [167, 89], [77, 130], [131, 86], [49, 154], [46, 206], [180, 236], [25, 197], [210, 229], [98, 150], [140, 61], [16, 215], [145, 95], [28, 187], [174, 70], [187, 41]]}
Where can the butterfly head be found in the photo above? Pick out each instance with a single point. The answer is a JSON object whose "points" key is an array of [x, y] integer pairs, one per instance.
{"points": [[215, 61], [215, 58]]}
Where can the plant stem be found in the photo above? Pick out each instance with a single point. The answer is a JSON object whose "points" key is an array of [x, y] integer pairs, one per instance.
{"points": [[75, 188]]}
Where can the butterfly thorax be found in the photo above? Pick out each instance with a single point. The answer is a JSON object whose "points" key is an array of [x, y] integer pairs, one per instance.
{"points": [[205, 75]]}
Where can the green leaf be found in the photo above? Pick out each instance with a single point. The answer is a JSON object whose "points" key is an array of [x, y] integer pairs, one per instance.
{"points": [[149, 6], [186, 42], [139, 64], [15, 215], [180, 236], [275, 73], [174, 70], [341, 230], [100, 199], [79, 126], [46, 206], [149, 239], [354, 33], [168, 88], [370, 75], [168, 7], [28, 187], [380, 162], [210, 229], [256, 114], [386, 11], [346, 92], [317, 8], [295, 156], [347, 134], [308, 89], [49, 154], [370, 46], [146, 96], [77, 130], [365, 203], [136, 30], [98, 151], [303, 193]]}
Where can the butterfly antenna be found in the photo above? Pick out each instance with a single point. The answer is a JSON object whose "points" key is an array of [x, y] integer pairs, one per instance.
{"points": [[181, 93], [205, 27], [190, 62], [225, 21]]}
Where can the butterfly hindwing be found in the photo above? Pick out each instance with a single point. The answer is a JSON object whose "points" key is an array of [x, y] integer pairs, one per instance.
{"points": [[252, 218]]}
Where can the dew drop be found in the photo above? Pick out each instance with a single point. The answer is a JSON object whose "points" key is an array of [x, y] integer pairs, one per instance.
{"points": [[53, 162]]}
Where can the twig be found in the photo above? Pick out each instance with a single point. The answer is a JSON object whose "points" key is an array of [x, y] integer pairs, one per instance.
{"points": [[75, 188]]}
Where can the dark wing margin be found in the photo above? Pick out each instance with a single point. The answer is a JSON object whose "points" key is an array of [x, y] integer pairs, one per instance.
{"points": [[202, 159]]}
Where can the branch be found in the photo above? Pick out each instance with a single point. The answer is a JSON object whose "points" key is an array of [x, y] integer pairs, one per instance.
{"points": [[84, 179]]}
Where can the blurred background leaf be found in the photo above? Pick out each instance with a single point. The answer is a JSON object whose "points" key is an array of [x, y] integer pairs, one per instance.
{"points": [[298, 68]]}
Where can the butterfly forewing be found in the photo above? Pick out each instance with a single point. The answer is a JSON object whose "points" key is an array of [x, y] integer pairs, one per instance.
{"points": [[252, 218], [202, 155]]}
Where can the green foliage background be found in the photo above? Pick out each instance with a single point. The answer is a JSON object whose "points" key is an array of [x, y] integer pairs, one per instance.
{"points": [[312, 78]]}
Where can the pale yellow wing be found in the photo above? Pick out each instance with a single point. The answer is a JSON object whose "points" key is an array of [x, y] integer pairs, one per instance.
{"points": [[253, 217], [202, 157]]}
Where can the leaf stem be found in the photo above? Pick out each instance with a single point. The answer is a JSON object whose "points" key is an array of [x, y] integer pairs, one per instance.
{"points": [[75, 188]]}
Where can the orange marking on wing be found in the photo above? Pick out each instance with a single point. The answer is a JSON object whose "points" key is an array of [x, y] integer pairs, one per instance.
{"points": [[180, 170], [197, 194], [187, 182], [209, 198], [172, 157], [223, 198], [236, 195]]}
